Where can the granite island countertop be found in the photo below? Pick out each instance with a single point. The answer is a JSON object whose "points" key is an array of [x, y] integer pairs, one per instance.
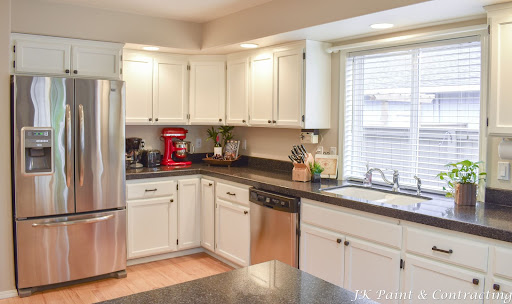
{"points": [[486, 220], [269, 282]]}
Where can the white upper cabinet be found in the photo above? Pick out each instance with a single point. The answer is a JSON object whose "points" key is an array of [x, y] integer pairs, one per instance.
{"points": [[138, 72], [208, 92], [91, 61], [43, 55], [170, 90], [261, 90], [237, 95], [189, 211], [288, 87], [500, 73]]}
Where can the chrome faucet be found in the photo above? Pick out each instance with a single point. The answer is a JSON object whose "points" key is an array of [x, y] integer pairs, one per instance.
{"points": [[418, 185], [367, 182]]}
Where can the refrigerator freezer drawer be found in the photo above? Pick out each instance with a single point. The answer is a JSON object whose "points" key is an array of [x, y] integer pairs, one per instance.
{"points": [[68, 248]]}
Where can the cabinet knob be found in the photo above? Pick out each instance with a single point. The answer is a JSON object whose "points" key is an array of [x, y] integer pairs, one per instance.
{"points": [[150, 119], [269, 121], [243, 121], [496, 287], [67, 71], [245, 212], [75, 72], [210, 184], [338, 241], [172, 201], [156, 119], [274, 121], [476, 281], [220, 119], [346, 243]]}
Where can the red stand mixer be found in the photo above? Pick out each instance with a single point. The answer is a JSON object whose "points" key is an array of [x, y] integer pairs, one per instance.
{"points": [[176, 149]]}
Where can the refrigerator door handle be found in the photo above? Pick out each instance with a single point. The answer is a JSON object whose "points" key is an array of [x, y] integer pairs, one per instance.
{"points": [[82, 144], [74, 222], [68, 146]]}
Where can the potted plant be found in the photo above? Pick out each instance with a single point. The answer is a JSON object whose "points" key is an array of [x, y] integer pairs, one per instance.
{"points": [[213, 134], [462, 181], [316, 170], [227, 134]]}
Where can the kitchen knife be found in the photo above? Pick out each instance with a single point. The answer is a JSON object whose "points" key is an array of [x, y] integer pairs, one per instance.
{"points": [[291, 158], [303, 150]]}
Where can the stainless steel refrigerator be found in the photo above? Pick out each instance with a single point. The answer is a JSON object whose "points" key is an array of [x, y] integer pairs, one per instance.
{"points": [[68, 172]]}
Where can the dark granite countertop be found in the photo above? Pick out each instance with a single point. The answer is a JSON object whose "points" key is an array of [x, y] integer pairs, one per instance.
{"points": [[487, 220], [269, 282]]}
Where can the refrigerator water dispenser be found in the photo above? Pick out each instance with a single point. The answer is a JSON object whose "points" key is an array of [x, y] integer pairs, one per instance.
{"points": [[37, 147]]}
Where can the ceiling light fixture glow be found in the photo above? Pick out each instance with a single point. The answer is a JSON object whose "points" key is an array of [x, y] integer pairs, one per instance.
{"points": [[150, 48], [380, 26], [249, 45]]}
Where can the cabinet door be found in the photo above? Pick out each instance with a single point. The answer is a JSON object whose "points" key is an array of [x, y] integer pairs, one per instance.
{"points": [[170, 91], [189, 211], [152, 226], [232, 233], [207, 92], [371, 267], [138, 73], [261, 90], [237, 97], [39, 57], [288, 88], [322, 254], [96, 62], [208, 214], [500, 91], [436, 280], [500, 291]]}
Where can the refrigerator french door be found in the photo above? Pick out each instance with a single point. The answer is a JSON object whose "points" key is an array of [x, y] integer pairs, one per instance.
{"points": [[68, 179]]}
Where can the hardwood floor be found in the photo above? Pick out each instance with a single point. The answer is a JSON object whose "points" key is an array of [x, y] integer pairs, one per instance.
{"points": [[140, 278]]}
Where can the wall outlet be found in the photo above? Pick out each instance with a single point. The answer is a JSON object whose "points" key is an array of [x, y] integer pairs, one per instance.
{"points": [[198, 143], [319, 150], [504, 171], [333, 151]]}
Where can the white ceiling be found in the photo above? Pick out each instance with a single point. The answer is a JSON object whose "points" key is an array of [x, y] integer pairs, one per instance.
{"points": [[187, 10]]}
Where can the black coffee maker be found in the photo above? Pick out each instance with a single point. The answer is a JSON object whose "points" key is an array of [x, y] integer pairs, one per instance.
{"points": [[134, 146]]}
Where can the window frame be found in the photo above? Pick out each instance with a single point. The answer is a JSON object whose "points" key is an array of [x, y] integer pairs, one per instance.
{"points": [[395, 43]]}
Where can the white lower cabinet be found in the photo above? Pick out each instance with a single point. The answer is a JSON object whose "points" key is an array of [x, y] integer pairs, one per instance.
{"points": [[189, 211], [152, 226], [232, 232], [322, 254], [500, 291], [373, 268], [208, 214], [440, 282]]}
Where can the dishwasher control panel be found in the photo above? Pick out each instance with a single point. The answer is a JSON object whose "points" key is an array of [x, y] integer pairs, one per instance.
{"points": [[274, 200]]}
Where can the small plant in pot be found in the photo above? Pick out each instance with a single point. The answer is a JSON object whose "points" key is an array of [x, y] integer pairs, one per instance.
{"points": [[316, 171], [213, 134], [462, 181]]}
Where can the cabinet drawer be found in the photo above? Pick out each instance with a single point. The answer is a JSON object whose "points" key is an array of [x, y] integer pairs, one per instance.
{"points": [[502, 265], [447, 248], [233, 193], [386, 233], [150, 190]]}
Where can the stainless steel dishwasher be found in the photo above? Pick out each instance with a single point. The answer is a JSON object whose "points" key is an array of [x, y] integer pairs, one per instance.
{"points": [[274, 227]]}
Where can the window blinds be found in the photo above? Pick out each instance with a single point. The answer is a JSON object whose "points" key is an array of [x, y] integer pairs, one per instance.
{"points": [[413, 109]]}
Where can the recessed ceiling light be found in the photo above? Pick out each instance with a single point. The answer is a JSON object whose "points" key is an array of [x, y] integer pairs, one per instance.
{"points": [[150, 48], [380, 26], [249, 45]]}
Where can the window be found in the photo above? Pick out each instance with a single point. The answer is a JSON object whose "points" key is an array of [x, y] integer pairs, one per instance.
{"points": [[413, 109]]}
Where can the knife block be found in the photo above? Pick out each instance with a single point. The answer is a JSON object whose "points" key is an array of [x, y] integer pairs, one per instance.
{"points": [[301, 173]]}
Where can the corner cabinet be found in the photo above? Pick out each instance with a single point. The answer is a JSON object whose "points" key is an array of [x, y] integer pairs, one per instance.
{"points": [[53, 56], [189, 211], [208, 214], [261, 100], [207, 92], [500, 69], [237, 91]]}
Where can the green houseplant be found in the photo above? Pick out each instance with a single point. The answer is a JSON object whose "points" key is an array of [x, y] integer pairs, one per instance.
{"points": [[316, 171], [227, 134], [213, 134], [462, 179]]}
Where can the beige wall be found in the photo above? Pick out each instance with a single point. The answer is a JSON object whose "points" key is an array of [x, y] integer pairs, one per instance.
{"points": [[249, 24], [54, 19], [6, 248]]}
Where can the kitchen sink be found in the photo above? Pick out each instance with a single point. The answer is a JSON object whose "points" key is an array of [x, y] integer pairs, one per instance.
{"points": [[377, 196]]}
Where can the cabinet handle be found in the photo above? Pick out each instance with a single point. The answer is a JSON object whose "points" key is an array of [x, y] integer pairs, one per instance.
{"points": [[229, 193], [441, 250], [496, 287], [245, 212], [338, 241], [346, 243], [210, 184], [156, 119], [269, 121], [67, 71], [274, 121], [150, 119], [172, 201], [75, 72], [150, 190], [476, 281]]}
